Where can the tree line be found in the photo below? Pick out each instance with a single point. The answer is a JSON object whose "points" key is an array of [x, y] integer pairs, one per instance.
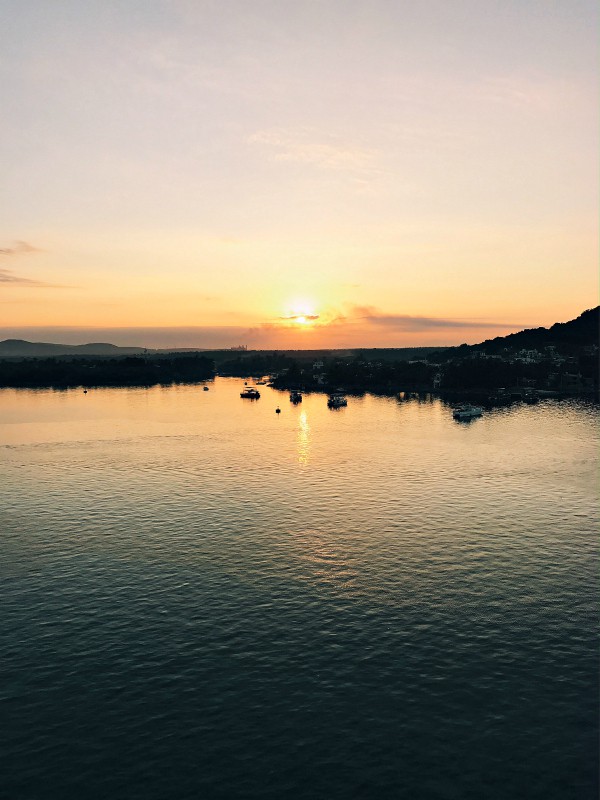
{"points": [[90, 372]]}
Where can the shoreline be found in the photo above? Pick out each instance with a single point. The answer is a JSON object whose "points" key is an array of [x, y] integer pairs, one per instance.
{"points": [[482, 396]]}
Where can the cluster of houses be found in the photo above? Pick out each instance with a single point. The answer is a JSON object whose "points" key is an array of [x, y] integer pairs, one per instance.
{"points": [[534, 370]]}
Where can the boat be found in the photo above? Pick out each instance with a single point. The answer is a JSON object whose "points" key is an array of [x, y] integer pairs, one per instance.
{"points": [[261, 383], [205, 388], [467, 412], [295, 396], [250, 393], [336, 400]]}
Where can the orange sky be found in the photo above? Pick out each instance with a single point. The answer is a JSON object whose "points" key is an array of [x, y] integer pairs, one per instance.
{"points": [[402, 174]]}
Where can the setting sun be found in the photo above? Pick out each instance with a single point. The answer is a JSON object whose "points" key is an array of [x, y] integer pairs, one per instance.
{"points": [[301, 314]]}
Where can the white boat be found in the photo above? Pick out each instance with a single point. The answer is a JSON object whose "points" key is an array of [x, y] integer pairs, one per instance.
{"points": [[250, 393], [337, 400], [467, 412]]}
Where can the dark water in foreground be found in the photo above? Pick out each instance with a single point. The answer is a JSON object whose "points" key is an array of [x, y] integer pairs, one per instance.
{"points": [[202, 599]]}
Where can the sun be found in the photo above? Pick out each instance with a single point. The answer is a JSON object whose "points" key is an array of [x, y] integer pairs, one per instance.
{"points": [[301, 314]]}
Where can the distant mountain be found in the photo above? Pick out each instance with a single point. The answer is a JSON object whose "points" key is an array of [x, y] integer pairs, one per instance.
{"points": [[19, 348], [583, 331]]}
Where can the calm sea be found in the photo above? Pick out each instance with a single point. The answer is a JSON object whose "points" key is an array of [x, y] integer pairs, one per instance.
{"points": [[203, 599]]}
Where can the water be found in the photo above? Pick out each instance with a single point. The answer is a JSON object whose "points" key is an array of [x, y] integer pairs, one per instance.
{"points": [[203, 599]]}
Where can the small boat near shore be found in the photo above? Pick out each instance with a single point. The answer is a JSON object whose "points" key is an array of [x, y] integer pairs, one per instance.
{"points": [[295, 396], [467, 412], [336, 400], [250, 393]]}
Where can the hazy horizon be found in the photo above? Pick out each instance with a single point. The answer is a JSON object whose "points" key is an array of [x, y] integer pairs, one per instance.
{"points": [[228, 337]]}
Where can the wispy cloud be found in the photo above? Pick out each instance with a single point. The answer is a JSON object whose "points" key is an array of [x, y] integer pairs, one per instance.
{"points": [[408, 323], [309, 146], [19, 249], [8, 276], [528, 92], [296, 317]]}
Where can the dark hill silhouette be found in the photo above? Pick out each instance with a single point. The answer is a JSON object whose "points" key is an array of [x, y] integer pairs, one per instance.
{"points": [[19, 348], [584, 331]]}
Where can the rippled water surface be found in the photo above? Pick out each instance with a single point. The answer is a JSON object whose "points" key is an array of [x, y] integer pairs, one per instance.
{"points": [[203, 599]]}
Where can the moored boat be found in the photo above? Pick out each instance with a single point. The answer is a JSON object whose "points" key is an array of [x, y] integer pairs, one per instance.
{"points": [[250, 393], [336, 400], [295, 396], [467, 412]]}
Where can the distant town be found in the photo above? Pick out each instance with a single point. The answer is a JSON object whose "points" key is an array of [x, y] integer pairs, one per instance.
{"points": [[562, 360]]}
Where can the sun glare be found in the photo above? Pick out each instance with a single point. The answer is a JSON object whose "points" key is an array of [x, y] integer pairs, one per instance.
{"points": [[301, 314]]}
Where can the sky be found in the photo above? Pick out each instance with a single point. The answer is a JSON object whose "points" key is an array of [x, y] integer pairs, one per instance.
{"points": [[316, 173]]}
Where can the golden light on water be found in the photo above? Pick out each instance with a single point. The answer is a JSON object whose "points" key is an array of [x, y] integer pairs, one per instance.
{"points": [[303, 439]]}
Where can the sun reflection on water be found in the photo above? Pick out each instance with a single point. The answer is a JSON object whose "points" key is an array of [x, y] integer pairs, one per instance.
{"points": [[303, 439]]}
